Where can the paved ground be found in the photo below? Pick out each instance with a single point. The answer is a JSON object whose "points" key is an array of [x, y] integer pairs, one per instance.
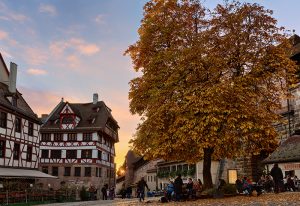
{"points": [[270, 199]]}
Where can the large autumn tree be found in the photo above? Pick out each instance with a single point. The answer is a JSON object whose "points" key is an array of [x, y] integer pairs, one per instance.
{"points": [[210, 81]]}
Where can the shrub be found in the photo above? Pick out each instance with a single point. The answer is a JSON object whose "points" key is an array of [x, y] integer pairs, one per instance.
{"points": [[191, 171], [229, 189], [209, 192], [173, 174], [83, 194]]}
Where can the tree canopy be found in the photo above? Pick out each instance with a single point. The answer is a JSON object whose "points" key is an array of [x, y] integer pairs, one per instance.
{"points": [[211, 81]]}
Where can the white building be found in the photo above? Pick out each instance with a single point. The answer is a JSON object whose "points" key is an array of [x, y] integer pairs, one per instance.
{"points": [[19, 132], [77, 144]]}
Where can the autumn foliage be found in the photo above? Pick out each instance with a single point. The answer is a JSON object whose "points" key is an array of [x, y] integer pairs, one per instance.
{"points": [[211, 80]]}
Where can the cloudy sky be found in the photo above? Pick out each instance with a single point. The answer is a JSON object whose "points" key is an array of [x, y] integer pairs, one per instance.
{"points": [[74, 48]]}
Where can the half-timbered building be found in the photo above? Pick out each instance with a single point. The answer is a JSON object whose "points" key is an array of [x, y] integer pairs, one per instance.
{"points": [[77, 144], [19, 133]]}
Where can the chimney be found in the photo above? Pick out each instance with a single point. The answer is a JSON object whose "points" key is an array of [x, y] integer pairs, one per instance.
{"points": [[95, 98], [12, 78]]}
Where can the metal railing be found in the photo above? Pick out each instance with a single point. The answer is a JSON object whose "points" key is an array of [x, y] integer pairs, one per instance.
{"points": [[10, 197]]}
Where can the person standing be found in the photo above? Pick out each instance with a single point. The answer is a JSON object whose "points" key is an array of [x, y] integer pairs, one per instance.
{"points": [[277, 175], [178, 187], [141, 188], [104, 192]]}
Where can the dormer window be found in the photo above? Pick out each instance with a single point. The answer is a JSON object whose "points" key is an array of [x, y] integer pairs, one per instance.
{"points": [[68, 118]]}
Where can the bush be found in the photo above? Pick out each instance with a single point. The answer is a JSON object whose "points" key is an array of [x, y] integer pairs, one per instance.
{"points": [[191, 171], [209, 192], [229, 189], [173, 174]]}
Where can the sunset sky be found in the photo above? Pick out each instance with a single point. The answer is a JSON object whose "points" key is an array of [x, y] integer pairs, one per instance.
{"points": [[74, 48]]}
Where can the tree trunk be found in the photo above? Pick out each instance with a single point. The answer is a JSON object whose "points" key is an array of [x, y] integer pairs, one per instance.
{"points": [[207, 179]]}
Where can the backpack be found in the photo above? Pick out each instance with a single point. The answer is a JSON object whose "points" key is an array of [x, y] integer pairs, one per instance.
{"points": [[163, 200]]}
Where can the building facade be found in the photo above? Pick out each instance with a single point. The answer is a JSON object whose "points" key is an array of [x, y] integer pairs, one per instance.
{"points": [[253, 166], [19, 134], [77, 144]]}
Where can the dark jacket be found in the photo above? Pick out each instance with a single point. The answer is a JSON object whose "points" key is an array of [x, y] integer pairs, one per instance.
{"points": [[141, 185], [276, 173], [178, 185]]}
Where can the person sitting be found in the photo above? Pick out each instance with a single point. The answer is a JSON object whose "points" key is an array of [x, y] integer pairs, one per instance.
{"points": [[269, 184], [289, 185], [239, 185], [189, 188], [170, 191], [222, 183], [248, 187]]}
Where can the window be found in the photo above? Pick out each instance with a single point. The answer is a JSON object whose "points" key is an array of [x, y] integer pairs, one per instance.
{"points": [[2, 148], [16, 151], [67, 171], [87, 137], [77, 171], [58, 137], [99, 155], [72, 137], [71, 154], [56, 154], [87, 171], [18, 124], [30, 129], [97, 172], [112, 173], [68, 120], [55, 171], [29, 153], [179, 167], [45, 153], [45, 170], [185, 167], [3, 119], [46, 137], [100, 172], [86, 153], [232, 176]]}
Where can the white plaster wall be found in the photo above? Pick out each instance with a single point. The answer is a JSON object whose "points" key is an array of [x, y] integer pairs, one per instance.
{"points": [[214, 170]]}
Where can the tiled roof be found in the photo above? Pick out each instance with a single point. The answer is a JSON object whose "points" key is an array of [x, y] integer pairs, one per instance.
{"points": [[22, 107], [87, 112], [288, 151]]}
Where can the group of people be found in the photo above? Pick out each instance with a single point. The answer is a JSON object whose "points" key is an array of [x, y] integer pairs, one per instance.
{"points": [[282, 184], [175, 190], [108, 193], [268, 183]]}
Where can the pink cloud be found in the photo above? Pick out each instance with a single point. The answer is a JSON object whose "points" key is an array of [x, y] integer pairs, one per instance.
{"points": [[9, 15], [35, 56], [43, 102], [3, 35], [74, 44], [74, 61], [36, 71]]}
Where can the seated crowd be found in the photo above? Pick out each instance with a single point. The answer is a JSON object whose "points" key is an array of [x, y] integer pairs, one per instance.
{"points": [[265, 184]]}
